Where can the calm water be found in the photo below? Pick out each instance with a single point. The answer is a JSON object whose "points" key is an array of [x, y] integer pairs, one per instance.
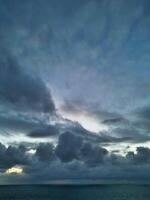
{"points": [[102, 192]]}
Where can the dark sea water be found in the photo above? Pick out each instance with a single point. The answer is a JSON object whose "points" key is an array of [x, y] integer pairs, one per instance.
{"points": [[101, 192]]}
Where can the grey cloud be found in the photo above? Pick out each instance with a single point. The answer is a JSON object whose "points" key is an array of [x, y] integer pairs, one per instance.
{"points": [[94, 110], [143, 113], [12, 156], [133, 134], [84, 161], [68, 146], [45, 152], [22, 90], [59, 128], [89, 54], [142, 118], [92, 154], [78, 131], [141, 156], [18, 123], [47, 131], [90, 34], [136, 127], [114, 135], [74, 147], [72, 106], [113, 121], [117, 135]]}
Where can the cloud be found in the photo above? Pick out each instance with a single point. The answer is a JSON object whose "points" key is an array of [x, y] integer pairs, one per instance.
{"points": [[130, 133], [21, 90], [113, 121], [92, 154], [94, 110], [10, 156], [72, 159], [48, 131], [142, 117], [72, 146], [143, 113], [142, 155], [90, 54], [45, 152], [18, 123], [68, 146], [77, 130]]}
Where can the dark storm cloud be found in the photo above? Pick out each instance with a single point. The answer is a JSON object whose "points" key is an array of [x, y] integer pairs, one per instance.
{"points": [[45, 152], [92, 154], [48, 131], [73, 147], [68, 147], [19, 123], [78, 130], [87, 161], [10, 156], [21, 90], [141, 157]]}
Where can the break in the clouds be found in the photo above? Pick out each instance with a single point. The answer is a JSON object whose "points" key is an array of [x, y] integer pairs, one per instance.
{"points": [[74, 90]]}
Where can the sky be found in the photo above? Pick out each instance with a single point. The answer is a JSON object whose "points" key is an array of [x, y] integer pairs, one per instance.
{"points": [[74, 90]]}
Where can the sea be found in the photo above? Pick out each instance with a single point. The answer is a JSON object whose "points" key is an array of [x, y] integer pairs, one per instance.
{"points": [[75, 192]]}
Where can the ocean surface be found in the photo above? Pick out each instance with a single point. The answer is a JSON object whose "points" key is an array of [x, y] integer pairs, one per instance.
{"points": [[101, 192]]}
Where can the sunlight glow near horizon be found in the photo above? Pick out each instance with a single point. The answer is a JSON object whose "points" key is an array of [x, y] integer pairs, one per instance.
{"points": [[14, 170], [88, 122]]}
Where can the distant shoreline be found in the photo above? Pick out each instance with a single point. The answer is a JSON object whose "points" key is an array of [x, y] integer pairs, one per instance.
{"points": [[81, 184]]}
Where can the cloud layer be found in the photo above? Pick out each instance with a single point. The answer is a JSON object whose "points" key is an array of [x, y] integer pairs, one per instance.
{"points": [[75, 159], [74, 89]]}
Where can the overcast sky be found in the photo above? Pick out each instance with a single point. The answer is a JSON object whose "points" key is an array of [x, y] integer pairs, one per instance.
{"points": [[74, 90]]}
